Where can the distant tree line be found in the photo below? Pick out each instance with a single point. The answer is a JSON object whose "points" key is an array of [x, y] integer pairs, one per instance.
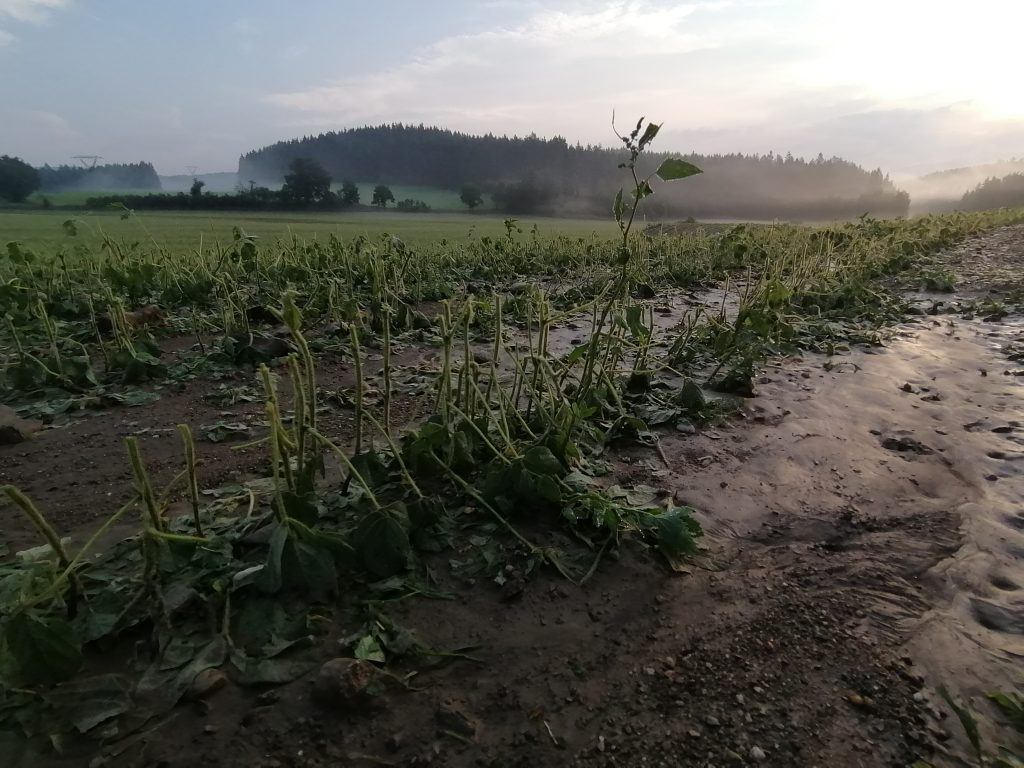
{"points": [[1007, 192], [535, 175], [307, 186], [63, 178]]}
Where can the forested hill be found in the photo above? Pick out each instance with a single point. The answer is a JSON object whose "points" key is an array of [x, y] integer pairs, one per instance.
{"points": [[63, 178], [1007, 192], [532, 174]]}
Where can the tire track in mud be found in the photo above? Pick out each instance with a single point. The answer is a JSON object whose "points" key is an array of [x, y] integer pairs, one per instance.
{"points": [[972, 638]]}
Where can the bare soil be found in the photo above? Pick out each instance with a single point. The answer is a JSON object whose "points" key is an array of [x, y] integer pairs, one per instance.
{"points": [[864, 545]]}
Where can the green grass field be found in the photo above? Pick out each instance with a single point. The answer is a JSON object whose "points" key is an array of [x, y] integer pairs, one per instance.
{"points": [[187, 230]]}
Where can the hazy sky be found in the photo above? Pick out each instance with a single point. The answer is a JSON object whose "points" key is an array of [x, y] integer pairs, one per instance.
{"points": [[908, 85]]}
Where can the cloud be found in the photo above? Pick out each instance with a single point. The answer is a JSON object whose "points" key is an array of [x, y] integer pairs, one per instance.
{"points": [[30, 11], [922, 53], [745, 75], [495, 66], [33, 11]]}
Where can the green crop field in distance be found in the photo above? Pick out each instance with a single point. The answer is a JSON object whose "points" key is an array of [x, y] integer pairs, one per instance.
{"points": [[186, 230]]}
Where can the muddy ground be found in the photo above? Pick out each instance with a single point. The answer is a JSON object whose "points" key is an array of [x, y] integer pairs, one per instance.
{"points": [[864, 545]]}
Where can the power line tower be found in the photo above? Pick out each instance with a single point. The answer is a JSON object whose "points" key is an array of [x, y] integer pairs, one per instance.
{"points": [[192, 170], [87, 161]]}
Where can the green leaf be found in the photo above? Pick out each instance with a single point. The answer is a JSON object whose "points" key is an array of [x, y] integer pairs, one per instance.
{"points": [[301, 507], [643, 190], [222, 431], [383, 544], [371, 468], [271, 578], [368, 648], [90, 702], [161, 689], [967, 721], [649, 134], [676, 533], [45, 650], [691, 397], [618, 207], [540, 460], [673, 168], [548, 489], [1012, 706], [635, 322], [256, 671], [309, 566], [261, 621]]}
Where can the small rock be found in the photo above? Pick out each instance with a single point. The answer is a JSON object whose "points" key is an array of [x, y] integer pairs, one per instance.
{"points": [[394, 742], [14, 429], [906, 445], [713, 721], [861, 702], [267, 698], [343, 682], [451, 718], [758, 754], [206, 683]]}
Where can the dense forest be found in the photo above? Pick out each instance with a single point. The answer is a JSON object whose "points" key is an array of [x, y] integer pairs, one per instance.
{"points": [[943, 190], [1007, 192], [65, 178], [531, 174]]}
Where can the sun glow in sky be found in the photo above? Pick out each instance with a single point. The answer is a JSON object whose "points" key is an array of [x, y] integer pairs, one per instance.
{"points": [[908, 85], [920, 53]]}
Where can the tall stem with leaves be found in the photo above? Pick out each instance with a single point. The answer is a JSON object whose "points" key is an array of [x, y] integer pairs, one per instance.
{"points": [[625, 209]]}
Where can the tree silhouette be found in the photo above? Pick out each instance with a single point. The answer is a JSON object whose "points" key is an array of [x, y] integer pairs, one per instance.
{"points": [[307, 181], [18, 179], [349, 193], [382, 195], [471, 196]]}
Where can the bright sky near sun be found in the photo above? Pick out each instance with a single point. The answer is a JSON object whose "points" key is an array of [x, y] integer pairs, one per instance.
{"points": [[908, 85]]}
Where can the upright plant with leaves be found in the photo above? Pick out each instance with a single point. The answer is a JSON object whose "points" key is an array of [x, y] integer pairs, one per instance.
{"points": [[625, 208]]}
